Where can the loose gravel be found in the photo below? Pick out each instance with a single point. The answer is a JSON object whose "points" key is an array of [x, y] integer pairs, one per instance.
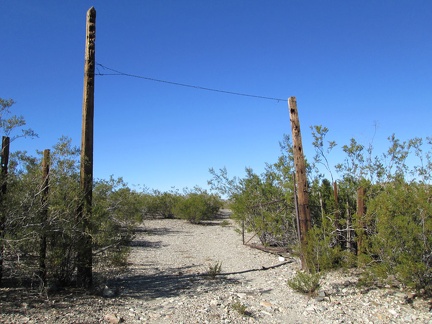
{"points": [[168, 281]]}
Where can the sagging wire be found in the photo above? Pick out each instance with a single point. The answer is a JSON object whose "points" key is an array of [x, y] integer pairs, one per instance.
{"points": [[119, 73]]}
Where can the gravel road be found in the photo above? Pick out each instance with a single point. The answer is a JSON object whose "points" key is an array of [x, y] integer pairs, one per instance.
{"points": [[166, 283]]}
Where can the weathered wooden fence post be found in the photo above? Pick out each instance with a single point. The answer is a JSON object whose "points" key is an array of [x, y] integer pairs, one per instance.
{"points": [[44, 215], [337, 213], [301, 176], [84, 253], [296, 207], [348, 227], [4, 171], [4, 162], [360, 220]]}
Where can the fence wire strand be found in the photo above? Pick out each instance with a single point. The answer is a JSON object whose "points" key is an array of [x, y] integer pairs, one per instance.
{"points": [[119, 73]]}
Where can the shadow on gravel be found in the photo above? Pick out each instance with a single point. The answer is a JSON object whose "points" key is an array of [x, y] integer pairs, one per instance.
{"points": [[139, 242], [209, 223], [176, 283], [156, 231], [167, 285], [146, 244], [29, 301]]}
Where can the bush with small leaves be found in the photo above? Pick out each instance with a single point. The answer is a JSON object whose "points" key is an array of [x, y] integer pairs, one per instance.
{"points": [[197, 207], [321, 253], [305, 283], [240, 308], [225, 223], [160, 204], [402, 244]]}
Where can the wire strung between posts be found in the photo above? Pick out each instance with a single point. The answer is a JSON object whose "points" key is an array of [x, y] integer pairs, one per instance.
{"points": [[116, 72]]}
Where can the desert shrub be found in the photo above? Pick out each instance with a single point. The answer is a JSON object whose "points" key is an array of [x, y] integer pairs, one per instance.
{"points": [[160, 204], [214, 270], [262, 205], [320, 252], [305, 283], [196, 207], [116, 209], [402, 244], [225, 223], [19, 219], [240, 308]]}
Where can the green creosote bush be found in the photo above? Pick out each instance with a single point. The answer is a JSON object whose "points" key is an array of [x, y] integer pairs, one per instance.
{"points": [[402, 244], [260, 203], [320, 254], [118, 257], [240, 308], [160, 204], [116, 210], [197, 207], [224, 223], [390, 238], [305, 283], [263, 202]]}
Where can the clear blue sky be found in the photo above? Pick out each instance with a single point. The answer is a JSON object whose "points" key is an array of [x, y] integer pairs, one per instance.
{"points": [[351, 65]]}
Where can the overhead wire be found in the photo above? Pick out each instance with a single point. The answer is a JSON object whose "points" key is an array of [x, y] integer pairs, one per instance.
{"points": [[119, 73]]}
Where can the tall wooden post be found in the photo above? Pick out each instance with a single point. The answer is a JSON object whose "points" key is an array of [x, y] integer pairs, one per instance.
{"points": [[301, 176], [296, 207], [337, 212], [3, 176], [4, 162], [360, 220], [348, 227], [84, 256], [44, 214]]}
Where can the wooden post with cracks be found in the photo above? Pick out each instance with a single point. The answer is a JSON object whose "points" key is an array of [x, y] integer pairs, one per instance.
{"points": [[4, 171], [84, 252], [337, 213], [4, 162], [44, 215], [348, 227], [360, 220], [296, 207], [301, 176]]}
